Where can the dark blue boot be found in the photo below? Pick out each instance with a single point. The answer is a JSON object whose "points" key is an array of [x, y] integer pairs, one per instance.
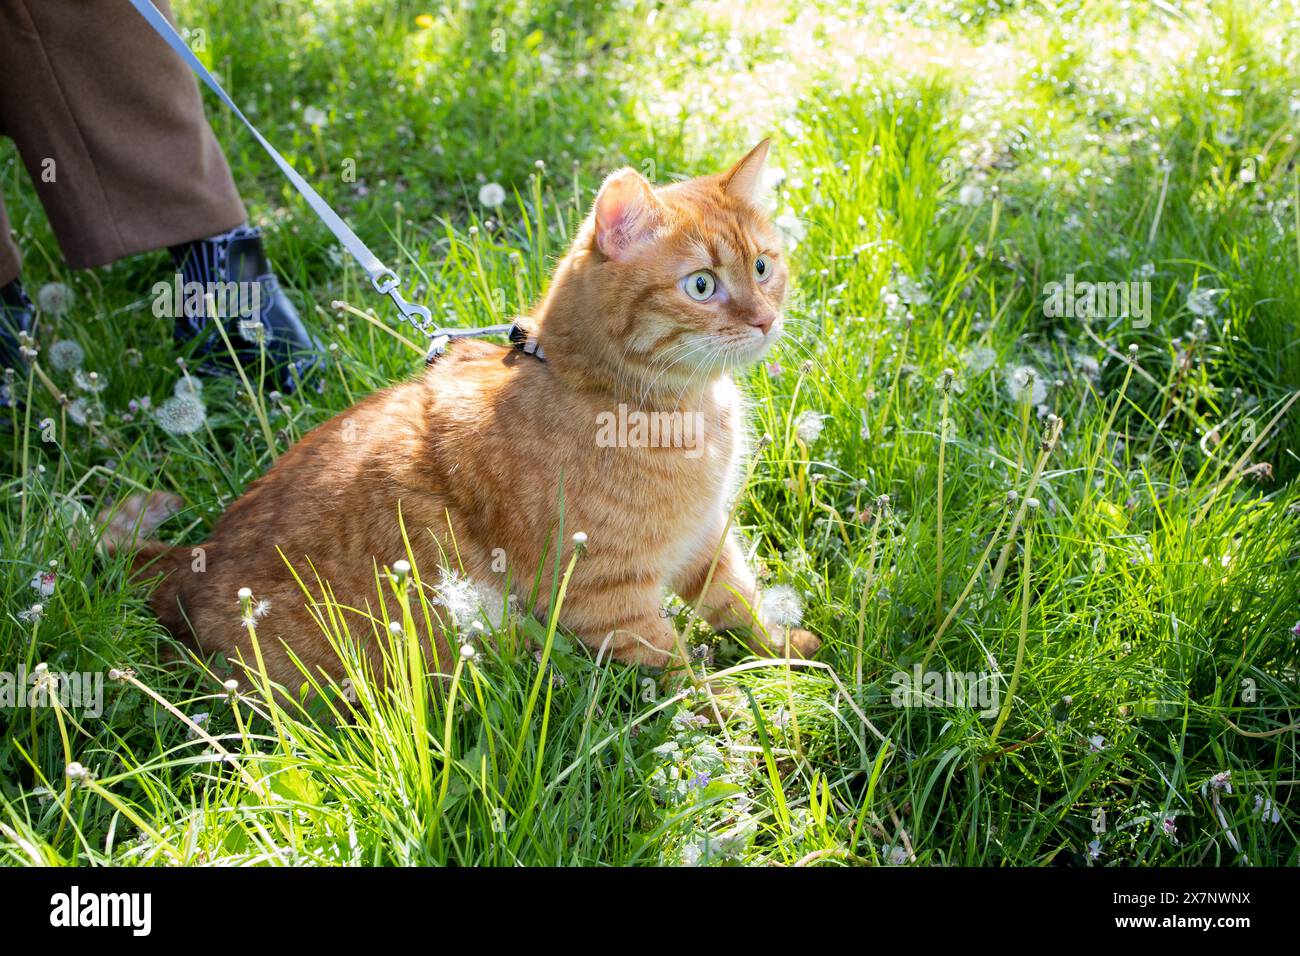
{"points": [[17, 316], [254, 310]]}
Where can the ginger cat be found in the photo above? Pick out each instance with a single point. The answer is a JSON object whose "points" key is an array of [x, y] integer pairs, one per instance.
{"points": [[664, 292]]}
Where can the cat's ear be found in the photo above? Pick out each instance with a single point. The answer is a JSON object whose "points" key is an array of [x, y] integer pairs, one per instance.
{"points": [[627, 213], [742, 180]]}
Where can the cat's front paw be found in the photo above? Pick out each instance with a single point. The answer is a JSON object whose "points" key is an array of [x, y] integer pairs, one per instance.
{"points": [[803, 643], [795, 642]]}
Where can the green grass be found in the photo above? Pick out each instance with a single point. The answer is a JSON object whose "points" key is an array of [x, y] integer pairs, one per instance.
{"points": [[957, 155]]}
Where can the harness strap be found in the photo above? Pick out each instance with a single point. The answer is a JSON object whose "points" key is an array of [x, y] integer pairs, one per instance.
{"points": [[520, 339]]}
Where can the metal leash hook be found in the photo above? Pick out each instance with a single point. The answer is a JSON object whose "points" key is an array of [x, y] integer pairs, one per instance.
{"points": [[387, 283]]}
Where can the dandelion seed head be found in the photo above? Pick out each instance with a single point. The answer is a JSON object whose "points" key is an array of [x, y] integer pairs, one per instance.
{"points": [[491, 195], [1025, 383], [1201, 302], [970, 195], [181, 415], [66, 355], [808, 426], [54, 298], [782, 607], [91, 382]]}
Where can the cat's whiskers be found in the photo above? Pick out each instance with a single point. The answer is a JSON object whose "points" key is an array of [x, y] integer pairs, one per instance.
{"points": [[687, 349]]}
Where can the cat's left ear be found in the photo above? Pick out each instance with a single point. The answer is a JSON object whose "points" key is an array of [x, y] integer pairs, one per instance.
{"points": [[742, 180], [626, 214]]}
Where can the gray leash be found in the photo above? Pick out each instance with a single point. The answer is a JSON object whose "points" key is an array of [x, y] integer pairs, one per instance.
{"points": [[384, 280]]}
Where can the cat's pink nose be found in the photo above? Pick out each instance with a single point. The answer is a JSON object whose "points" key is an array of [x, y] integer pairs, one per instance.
{"points": [[762, 320]]}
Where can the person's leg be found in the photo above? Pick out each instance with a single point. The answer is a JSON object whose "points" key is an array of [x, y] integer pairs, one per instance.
{"points": [[11, 260], [110, 126], [111, 129]]}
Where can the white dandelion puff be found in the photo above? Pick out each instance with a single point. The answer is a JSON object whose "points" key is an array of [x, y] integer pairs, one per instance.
{"points": [[808, 426], [910, 290], [492, 195], [782, 607], [979, 359], [181, 415], [80, 411], [66, 355], [1026, 382], [970, 195], [315, 116], [91, 382], [187, 387], [457, 595], [54, 298], [1201, 302]]}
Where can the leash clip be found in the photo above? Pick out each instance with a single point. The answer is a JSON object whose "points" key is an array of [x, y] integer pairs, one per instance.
{"points": [[387, 283]]}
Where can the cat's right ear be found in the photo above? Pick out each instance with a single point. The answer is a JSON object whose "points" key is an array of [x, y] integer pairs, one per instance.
{"points": [[627, 213]]}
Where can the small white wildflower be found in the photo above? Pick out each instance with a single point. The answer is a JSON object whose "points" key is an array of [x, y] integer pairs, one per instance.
{"points": [[580, 539], [43, 582], [492, 195], [54, 298], [1265, 809], [201, 719], [315, 116], [1094, 849], [181, 415], [467, 651], [1146, 270], [1097, 743], [782, 607], [1025, 382], [808, 426], [66, 355], [1222, 781]]}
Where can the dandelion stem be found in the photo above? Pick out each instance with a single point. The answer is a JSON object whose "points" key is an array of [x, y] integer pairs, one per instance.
{"points": [[1024, 631]]}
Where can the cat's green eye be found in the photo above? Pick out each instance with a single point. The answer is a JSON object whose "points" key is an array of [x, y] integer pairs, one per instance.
{"points": [[700, 285], [762, 268]]}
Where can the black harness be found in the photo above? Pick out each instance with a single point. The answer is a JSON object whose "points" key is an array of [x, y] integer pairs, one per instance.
{"points": [[520, 339]]}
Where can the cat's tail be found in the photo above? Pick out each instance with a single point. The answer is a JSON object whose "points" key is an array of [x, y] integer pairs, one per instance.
{"points": [[125, 528]]}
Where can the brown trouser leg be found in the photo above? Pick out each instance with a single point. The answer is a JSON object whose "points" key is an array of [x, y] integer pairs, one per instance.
{"points": [[110, 126]]}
